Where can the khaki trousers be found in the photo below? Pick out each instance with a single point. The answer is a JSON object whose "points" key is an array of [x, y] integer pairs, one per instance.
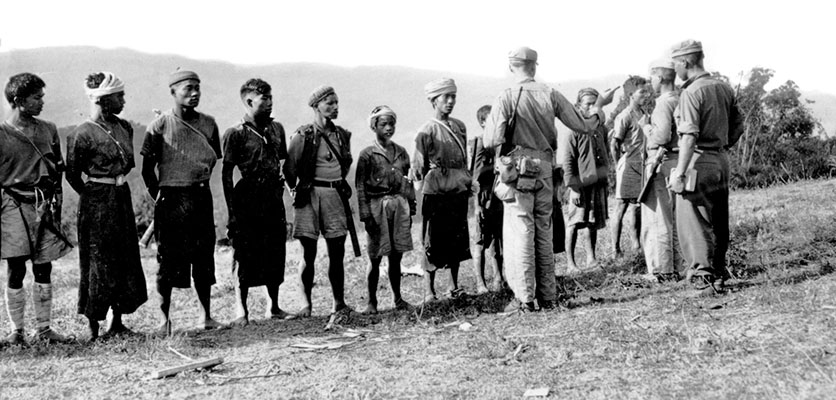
{"points": [[702, 217], [527, 236], [658, 231]]}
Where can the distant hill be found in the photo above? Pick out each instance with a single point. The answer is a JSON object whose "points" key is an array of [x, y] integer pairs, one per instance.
{"points": [[360, 89]]}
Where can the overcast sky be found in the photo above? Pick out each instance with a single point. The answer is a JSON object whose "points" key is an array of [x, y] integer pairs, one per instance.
{"points": [[576, 40]]}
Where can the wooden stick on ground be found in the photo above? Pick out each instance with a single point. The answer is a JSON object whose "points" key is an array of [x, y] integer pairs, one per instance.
{"points": [[201, 364]]}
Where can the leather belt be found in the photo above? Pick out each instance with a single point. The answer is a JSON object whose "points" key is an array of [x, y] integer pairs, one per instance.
{"points": [[332, 184], [117, 180]]}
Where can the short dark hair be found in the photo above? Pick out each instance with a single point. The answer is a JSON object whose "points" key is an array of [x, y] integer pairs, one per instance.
{"points": [[692, 59], [632, 84], [482, 113], [23, 85], [95, 80], [255, 85]]}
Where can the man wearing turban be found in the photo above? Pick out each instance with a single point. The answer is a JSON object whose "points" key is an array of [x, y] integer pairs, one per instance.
{"points": [[440, 171], [102, 149], [386, 203]]}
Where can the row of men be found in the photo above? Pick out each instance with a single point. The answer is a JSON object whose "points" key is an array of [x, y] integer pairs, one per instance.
{"points": [[182, 145]]}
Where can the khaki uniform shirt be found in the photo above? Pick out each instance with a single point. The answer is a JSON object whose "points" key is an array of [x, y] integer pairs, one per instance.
{"points": [[538, 106], [708, 111], [662, 132]]}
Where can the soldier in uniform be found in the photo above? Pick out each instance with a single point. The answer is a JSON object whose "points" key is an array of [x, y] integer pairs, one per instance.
{"points": [[708, 122]]}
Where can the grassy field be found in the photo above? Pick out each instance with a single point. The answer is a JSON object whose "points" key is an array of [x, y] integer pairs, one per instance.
{"points": [[773, 336]]}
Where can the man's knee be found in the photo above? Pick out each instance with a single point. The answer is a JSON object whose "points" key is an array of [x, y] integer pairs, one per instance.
{"points": [[42, 272], [16, 272]]}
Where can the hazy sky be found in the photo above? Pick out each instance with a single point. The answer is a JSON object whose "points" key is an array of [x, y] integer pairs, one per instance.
{"points": [[576, 40]]}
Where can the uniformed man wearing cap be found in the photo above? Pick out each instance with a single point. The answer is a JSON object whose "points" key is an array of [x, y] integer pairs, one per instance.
{"points": [[708, 122], [658, 233], [527, 215], [180, 149]]}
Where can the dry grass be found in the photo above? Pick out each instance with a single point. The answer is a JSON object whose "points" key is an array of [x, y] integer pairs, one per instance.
{"points": [[773, 336]]}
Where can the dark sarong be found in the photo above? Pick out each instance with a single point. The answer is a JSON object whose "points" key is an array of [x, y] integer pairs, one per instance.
{"points": [[259, 234], [185, 229], [111, 271], [444, 230]]}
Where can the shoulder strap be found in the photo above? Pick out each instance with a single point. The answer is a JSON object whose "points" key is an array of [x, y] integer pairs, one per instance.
{"points": [[192, 128], [455, 138], [21, 135], [331, 146], [509, 129]]}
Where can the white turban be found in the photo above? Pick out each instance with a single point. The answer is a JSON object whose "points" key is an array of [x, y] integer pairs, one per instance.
{"points": [[380, 111], [111, 84], [438, 87]]}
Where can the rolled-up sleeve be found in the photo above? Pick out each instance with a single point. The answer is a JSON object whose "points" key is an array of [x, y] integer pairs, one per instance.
{"points": [[689, 114], [661, 125], [495, 124]]}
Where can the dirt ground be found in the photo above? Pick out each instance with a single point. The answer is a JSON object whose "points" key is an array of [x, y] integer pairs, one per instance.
{"points": [[617, 336]]}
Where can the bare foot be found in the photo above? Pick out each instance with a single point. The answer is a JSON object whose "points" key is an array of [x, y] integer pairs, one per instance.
{"points": [[240, 322], [370, 309], [117, 328], [210, 324], [571, 268], [278, 313], [303, 313], [164, 330], [481, 289]]}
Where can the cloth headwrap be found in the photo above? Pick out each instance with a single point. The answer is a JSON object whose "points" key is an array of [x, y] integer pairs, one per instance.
{"points": [[438, 87], [180, 76], [380, 111], [320, 94], [587, 92], [111, 84]]}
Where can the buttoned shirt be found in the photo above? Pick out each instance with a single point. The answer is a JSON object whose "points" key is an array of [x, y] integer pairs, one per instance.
{"points": [[538, 106], [661, 132], [256, 150], [380, 173], [441, 157], [626, 128], [708, 111]]}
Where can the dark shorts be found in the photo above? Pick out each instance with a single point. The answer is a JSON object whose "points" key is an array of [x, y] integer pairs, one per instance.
{"points": [[489, 226], [260, 233], [185, 228]]}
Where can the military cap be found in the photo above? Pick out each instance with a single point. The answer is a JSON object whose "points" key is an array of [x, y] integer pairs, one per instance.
{"points": [[686, 47], [523, 54]]}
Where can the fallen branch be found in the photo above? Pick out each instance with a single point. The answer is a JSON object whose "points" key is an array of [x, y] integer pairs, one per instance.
{"points": [[203, 364]]}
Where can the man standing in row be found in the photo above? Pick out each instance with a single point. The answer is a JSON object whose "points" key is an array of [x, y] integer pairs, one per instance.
{"points": [[257, 221], [183, 145], [30, 215], [527, 222], [708, 122], [658, 231]]}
